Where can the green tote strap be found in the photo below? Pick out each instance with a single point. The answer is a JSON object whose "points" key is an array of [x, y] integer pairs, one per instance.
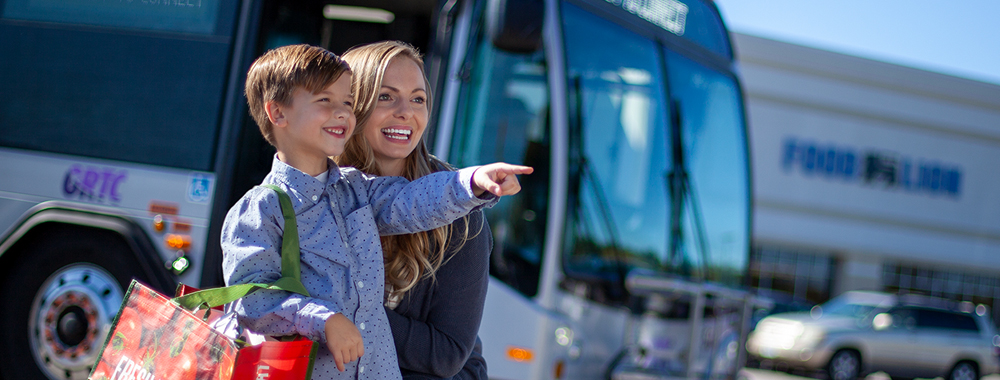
{"points": [[291, 275], [289, 245]]}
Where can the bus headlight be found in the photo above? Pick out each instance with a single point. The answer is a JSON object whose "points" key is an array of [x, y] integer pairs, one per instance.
{"points": [[564, 336]]}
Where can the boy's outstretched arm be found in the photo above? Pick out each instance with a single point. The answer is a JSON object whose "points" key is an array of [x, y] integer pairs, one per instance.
{"points": [[498, 178]]}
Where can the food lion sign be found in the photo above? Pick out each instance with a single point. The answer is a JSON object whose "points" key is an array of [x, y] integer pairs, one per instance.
{"points": [[871, 167]]}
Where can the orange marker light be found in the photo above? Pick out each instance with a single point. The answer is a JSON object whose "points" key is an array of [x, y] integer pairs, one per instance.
{"points": [[519, 354], [159, 224], [176, 241]]}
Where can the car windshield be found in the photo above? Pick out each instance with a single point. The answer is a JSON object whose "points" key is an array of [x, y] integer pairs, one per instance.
{"points": [[845, 309], [851, 307]]}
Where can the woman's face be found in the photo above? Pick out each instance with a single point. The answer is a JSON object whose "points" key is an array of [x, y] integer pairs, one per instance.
{"points": [[400, 116]]}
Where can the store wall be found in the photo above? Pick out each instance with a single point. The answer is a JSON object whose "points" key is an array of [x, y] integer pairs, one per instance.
{"points": [[871, 163]]}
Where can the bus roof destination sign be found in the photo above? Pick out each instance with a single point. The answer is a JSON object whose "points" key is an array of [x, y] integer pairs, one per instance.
{"points": [[667, 14], [693, 20]]}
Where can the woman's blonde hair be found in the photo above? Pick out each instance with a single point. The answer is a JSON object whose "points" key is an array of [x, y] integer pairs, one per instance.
{"points": [[408, 258]]}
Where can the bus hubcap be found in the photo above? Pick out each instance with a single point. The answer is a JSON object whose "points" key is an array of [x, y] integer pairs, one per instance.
{"points": [[70, 318]]}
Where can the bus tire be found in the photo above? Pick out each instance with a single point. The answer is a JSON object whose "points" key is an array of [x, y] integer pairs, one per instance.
{"points": [[75, 276]]}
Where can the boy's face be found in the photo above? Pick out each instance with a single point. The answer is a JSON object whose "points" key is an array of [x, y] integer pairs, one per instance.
{"points": [[316, 126]]}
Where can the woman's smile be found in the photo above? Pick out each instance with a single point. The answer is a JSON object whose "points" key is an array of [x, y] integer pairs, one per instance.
{"points": [[397, 134]]}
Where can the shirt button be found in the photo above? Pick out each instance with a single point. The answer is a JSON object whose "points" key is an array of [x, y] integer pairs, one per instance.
{"points": [[361, 369], [315, 198], [362, 326], [361, 284]]}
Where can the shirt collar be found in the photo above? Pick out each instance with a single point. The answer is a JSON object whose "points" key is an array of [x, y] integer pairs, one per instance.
{"points": [[309, 187]]}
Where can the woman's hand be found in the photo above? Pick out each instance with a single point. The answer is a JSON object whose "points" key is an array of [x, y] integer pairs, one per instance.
{"points": [[344, 340], [498, 178]]}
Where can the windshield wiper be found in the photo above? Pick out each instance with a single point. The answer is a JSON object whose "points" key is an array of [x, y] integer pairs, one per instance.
{"points": [[681, 192], [590, 175]]}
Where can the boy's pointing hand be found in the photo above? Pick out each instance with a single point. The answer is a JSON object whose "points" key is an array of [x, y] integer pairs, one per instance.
{"points": [[498, 178]]}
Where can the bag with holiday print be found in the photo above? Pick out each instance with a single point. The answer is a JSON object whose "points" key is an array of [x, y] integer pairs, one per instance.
{"points": [[163, 338]]}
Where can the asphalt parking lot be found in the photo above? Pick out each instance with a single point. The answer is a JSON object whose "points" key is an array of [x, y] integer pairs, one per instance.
{"points": [[763, 374]]}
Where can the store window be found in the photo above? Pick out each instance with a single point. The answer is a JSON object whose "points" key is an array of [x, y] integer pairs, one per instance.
{"points": [[800, 277], [958, 285]]}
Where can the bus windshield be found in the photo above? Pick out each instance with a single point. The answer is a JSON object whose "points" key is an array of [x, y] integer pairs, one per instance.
{"points": [[657, 176], [713, 145]]}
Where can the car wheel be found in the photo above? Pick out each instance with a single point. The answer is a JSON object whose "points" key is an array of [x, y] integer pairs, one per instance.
{"points": [[844, 365], [963, 371]]}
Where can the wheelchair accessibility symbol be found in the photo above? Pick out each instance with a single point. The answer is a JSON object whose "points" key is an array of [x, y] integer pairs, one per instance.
{"points": [[200, 187]]}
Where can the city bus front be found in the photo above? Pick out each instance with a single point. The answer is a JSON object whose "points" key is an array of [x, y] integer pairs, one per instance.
{"points": [[627, 249]]}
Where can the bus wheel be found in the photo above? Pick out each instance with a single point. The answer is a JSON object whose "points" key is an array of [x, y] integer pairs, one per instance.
{"points": [[59, 297]]}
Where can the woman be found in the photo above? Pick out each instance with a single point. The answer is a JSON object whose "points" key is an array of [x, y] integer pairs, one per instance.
{"points": [[435, 281]]}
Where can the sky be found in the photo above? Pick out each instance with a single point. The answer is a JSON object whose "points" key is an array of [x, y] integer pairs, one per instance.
{"points": [[954, 37]]}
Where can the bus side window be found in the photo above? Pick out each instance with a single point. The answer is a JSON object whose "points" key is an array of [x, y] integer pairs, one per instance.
{"points": [[503, 116]]}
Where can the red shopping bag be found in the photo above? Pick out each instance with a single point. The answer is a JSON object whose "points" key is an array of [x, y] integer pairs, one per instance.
{"points": [[290, 359], [276, 360], [154, 338]]}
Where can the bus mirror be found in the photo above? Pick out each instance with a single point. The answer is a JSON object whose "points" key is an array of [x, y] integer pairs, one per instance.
{"points": [[515, 25]]}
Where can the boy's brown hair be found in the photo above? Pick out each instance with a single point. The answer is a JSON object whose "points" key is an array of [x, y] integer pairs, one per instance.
{"points": [[276, 74]]}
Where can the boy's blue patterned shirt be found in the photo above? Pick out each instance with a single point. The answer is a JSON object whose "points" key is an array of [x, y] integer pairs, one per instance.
{"points": [[339, 224]]}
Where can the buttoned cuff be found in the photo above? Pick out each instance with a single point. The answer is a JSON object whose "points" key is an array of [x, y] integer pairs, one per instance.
{"points": [[312, 322], [488, 199]]}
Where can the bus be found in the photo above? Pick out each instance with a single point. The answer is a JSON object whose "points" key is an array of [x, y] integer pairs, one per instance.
{"points": [[125, 138]]}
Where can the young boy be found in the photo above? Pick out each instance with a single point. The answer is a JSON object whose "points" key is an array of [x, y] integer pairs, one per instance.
{"points": [[300, 97]]}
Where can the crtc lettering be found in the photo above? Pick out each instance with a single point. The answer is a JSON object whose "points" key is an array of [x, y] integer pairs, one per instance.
{"points": [[93, 184]]}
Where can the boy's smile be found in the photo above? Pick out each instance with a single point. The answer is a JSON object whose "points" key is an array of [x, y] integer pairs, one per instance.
{"points": [[315, 126]]}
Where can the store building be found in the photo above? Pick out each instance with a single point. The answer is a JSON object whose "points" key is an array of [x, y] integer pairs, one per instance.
{"points": [[869, 175]]}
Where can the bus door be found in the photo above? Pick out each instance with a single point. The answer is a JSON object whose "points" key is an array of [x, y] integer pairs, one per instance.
{"points": [[336, 27]]}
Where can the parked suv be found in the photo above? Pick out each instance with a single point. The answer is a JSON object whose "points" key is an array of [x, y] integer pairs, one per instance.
{"points": [[904, 336]]}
